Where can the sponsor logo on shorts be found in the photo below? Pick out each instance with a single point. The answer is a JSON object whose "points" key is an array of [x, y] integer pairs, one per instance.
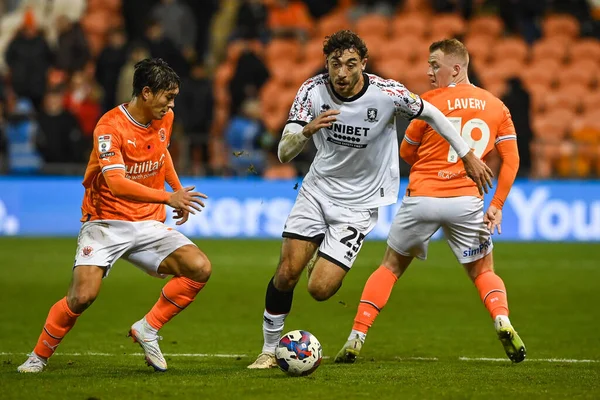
{"points": [[87, 251], [473, 251]]}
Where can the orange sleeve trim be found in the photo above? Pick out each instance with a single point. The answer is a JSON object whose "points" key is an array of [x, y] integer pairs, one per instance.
{"points": [[171, 175], [509, 153], [122, 187]]}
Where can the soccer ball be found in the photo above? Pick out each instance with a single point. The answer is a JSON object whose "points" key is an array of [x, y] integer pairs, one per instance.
{"points": [[298, 353]]}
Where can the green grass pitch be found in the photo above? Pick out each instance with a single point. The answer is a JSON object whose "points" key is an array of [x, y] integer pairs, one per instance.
{"points": [[433, 340]]}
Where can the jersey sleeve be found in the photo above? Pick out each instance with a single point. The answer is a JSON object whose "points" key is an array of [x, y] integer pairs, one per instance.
{"points": [[107, 148], [302, 111], [407, 104], [414, 132], [506, 130]]}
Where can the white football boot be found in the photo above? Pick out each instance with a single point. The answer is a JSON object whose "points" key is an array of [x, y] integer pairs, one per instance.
{"points": [[33, 365], [146, 337]]}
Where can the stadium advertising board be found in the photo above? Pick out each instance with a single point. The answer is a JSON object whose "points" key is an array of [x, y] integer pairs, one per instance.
{"points": [[534, 211]]}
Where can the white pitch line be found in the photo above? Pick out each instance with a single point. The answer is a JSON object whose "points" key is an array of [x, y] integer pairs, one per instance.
{"points": [[549, 360], [217, 355]]}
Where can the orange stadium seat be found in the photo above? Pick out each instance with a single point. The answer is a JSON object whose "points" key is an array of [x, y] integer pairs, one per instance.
{"points": [[331, 23], [283, 72], [510, 67], [370, 24], [313, 49], [223, 74], [541, 72], [393, 68], [376, 45], [568, 98], [511, 48], [279, 50], [480, 48], [552, 126], [585, 49], [498, 89], [306, 70], [560, 25], [554, 48], [486, 25], [582, 71], [591, 101], [445, 26], [405, 27], [415, 7], [490, 74]]}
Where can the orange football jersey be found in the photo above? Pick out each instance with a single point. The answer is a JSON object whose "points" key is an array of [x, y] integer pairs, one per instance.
{"points": [[120, 142], [481, 119]]}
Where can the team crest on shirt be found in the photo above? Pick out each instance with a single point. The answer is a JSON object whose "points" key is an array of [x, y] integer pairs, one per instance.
{"points": [[371, 115], [104, 143], [162, 134]]}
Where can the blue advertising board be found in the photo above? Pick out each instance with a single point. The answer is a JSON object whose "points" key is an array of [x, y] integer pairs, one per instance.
{"points": [[254, 208]]}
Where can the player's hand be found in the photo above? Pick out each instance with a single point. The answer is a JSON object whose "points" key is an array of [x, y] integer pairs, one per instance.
{"points": [[493, 219], [478, 171], [186, 200], [324, 120], [180, 215]]}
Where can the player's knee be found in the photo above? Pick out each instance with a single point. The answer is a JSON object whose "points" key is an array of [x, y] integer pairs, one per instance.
{"points": [[198, 267], [319, 291], [80, 299]]}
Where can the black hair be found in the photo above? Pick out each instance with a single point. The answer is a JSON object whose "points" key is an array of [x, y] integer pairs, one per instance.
{"points": [[344, 40], [156, 74]]}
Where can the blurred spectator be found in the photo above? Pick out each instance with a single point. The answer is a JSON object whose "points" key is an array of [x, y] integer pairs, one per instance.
{"points": [[21, 135], [251, 21], [517, 101], [363, 7], [108, 67], [194, 111], [135, 15], [72, 52], [522, 17], [289, 18], [83, 100], [249, 76], [59, 138], [178, 22], [29, 57], [244, 136], [137, 53], [319, 8], [161, 46]]}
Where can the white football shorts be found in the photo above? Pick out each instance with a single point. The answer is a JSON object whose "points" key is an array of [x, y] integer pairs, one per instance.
{"points": [[145, 244], [340, 231], [461, 219]]}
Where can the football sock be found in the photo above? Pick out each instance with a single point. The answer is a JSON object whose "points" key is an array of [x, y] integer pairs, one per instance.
{"points": [[277, 306], [177, 294], [59, 322], [493, 293], [374, 297]]}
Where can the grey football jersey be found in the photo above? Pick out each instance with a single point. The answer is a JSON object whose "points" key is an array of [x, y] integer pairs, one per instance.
{"points": [[356, 164]]}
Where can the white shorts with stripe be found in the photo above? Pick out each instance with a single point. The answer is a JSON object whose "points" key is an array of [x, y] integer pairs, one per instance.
{"points": [[461, 219], [338, 230], [145, 244]]}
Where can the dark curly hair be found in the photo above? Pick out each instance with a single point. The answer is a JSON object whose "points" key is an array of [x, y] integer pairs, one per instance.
{"points": [[344, 40], [156, 74]]}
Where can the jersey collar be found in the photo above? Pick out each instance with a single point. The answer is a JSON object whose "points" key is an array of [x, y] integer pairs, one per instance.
{"points": [[130, 118], [357, 95]]}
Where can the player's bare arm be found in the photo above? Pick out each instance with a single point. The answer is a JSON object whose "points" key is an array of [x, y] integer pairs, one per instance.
{"points": [[476, 169], [295, 136]]}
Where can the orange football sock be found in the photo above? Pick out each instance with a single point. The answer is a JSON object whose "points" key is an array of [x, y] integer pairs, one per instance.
{"points": [[177, 294], [493, 293], [59, 322], [374, 297]]}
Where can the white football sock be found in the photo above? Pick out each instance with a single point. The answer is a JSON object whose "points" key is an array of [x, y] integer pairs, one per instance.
{"points": [[500, 321], [272, 328]]}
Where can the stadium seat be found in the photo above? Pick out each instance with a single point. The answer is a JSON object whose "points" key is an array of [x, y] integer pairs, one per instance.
{"points": [[553, 48], [445, 26], [582, 71], [560, 25], [278, 50], [541, 72], [404, 26], [568, 98], [511, 48], [585, 49], [331, 23], [480, 48], [370, 24], [486, 25], [591, 101], [313, 49]]}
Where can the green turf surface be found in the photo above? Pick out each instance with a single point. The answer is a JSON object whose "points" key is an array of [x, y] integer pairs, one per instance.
{"points": [[434, 313]]}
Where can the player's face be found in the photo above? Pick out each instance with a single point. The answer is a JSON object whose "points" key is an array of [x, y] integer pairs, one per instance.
{"points": [[161, 102], [441, 70], [345, 72]]}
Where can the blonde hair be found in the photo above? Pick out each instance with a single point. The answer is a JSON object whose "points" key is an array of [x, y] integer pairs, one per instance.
{"points": [[451, 47]]}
